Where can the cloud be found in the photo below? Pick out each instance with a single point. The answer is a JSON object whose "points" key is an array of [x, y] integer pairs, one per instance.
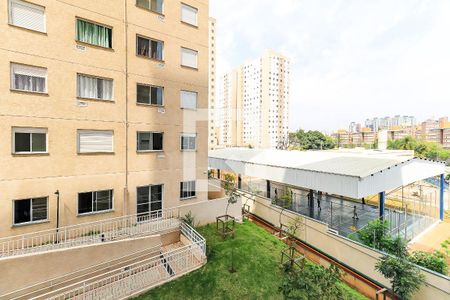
{"points": [[351, 59]]}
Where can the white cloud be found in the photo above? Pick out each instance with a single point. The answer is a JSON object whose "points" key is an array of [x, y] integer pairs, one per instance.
{"points": [[351, 59]]}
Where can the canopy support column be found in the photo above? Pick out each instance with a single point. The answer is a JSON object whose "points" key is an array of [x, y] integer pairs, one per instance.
{"points": [[441, 197], [382, 199], [268, 188]]}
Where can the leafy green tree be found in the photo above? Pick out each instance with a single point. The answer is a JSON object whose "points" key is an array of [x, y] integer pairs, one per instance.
{"points": [[405, 278], [230, 190], [448, 177], [310, 140], [314, 282], [285, 200], [422, 149]]}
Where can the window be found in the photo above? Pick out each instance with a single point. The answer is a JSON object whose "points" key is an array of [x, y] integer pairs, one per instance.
{"points": [[149, 198], [30, 210], [92, 202], [149, 141], [187, 189], [27, 15], [94, 34], [153, 5], [29, 140], [94, 87], [188, 100], [188, 141], [28, 78], [95, 141], [189, 58], [149, 48], [149, 94], [189, 14]]}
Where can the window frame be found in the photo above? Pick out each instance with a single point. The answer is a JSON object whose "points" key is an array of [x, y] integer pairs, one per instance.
{"points": [[31, 222], [150, 40], [111, 197], [95, 152], [181, 100], [151, 10], [95, 77], [29, 130], [12, 79], [181, 57], [37, 6], [98, 24], [151, 86], [189, 135], [149, 197], [151, 132], [194, 191], [181, 14]]}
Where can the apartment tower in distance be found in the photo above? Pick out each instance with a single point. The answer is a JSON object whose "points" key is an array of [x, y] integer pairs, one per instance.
{"points": [[254, 103], [100, 109]]}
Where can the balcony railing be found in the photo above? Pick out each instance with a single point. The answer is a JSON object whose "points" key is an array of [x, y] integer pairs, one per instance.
{"points": [[90, 233], [123, 282]]}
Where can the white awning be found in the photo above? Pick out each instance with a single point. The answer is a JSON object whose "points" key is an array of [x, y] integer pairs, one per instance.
{"points": [[349, 173]]}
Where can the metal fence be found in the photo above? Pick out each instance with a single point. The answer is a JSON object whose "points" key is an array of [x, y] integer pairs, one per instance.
{"points": [[90, 233], [127, 281]]}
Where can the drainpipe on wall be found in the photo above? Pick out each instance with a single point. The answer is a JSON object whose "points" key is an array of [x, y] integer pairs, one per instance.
{"points": [[125, 194]]}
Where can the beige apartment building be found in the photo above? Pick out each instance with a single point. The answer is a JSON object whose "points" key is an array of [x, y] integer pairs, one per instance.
{"points": [[212, 142], [101, 107], [254, 103]]}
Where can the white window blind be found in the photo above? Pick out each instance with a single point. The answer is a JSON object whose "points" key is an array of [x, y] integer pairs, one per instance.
{"points": [[28, 78], [188, 100], [189, 58], [189, 14], [94, 87], [27, 15], [95, 141]]}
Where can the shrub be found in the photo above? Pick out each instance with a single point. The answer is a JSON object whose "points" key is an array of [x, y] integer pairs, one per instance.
{"points": [[189, 219], [433, 261]]}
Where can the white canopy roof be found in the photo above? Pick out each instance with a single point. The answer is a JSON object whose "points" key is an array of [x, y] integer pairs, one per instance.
{"points": [[350, 173]]}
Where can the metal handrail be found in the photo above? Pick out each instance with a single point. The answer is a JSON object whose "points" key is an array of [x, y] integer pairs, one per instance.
{"points": [[90, 233], [125, 281]]}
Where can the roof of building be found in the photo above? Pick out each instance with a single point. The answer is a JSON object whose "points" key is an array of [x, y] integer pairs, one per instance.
{"points": [[353, 173]]}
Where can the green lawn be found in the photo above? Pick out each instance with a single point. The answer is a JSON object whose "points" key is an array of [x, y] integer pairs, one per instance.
{"points": [[257, 261]]}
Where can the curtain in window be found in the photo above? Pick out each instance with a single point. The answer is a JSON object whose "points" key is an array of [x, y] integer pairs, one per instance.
{"points": [[143, 46], [157, 5], [87, 86], [94, 88], [29, 78], [157, 50], [94, 34]]}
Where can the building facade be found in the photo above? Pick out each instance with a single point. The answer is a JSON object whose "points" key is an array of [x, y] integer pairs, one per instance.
{"points": [[100, 107], [213, 142], [254, 98]]}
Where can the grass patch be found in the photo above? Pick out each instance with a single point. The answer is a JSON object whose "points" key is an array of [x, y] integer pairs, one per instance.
{"points": [[256, 259]]}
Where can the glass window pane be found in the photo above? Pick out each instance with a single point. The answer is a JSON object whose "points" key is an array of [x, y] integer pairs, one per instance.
{"points": [[157, 6], [143, 3], [144, 143], [39, 142], [22, 211], [39, 209], [157, 141], [103, 200], [22, 142], [143, 94], [143, 46], [143, 194], [85, 203]]}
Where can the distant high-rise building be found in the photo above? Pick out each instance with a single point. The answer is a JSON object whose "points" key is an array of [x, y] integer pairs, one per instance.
{"points": [[254, 103]]}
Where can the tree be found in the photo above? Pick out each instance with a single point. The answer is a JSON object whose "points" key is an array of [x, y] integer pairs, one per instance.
{"points": [[422, 149], [448, 177], [311, 140], [230, 190], [405, 278]]}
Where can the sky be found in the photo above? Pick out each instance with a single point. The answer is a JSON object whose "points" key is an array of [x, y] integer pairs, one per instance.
{"points": [[351, 59]]}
